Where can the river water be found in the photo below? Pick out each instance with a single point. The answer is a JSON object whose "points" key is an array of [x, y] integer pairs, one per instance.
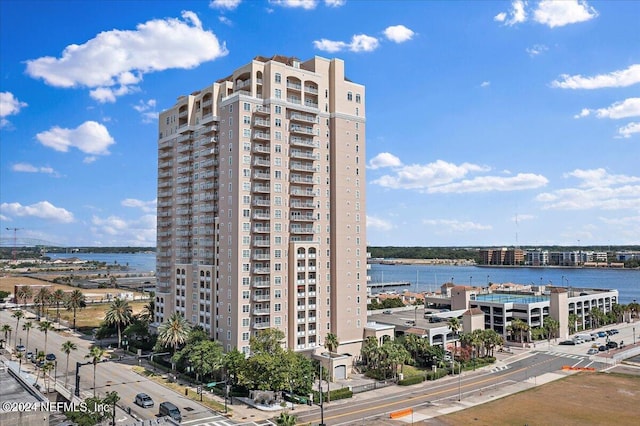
{"points": [[430, 278]]}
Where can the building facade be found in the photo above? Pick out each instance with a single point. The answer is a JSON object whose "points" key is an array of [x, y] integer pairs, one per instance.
{"points": [[261, 205]]}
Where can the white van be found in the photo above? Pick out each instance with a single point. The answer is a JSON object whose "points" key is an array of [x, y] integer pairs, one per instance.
{"points": [[585, 337]]}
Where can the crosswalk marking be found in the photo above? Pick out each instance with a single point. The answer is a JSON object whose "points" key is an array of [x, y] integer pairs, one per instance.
{"points": [[499, 368]]}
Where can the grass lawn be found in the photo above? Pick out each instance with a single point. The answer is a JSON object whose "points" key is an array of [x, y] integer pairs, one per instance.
{"points": [[193, 395], [91, 316], [579, 399]]}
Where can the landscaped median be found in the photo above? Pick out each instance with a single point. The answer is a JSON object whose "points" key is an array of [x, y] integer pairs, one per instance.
{"points": [[190, 393]]}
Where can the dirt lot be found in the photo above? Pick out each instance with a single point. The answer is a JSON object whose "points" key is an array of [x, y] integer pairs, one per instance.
{"points": [[580, 399], [8, 282]]}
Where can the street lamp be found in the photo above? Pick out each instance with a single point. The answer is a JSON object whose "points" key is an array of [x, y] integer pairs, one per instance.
{"points": [[634, 335]]}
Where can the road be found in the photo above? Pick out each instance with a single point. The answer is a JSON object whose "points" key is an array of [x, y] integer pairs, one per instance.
{"points": [[364, 410], [110, 376]]}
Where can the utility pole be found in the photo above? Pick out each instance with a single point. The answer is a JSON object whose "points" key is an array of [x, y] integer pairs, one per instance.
{"points": [[15, 243]]}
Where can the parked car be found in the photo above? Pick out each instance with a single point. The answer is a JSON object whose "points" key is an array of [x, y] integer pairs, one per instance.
{"points": [[143, 400], [387, 311], [50, 357], [29, 355], [602, 334], [567, 342], [614, 331], [20, 348], [592, 351], [602, 348], [612, 345], [168, 409]]}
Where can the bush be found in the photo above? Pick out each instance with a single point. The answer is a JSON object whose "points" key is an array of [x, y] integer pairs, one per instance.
{"points": [[412, 380], [435, 375], [334, 395]]}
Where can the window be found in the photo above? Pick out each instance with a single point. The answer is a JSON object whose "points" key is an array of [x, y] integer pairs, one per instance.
{"points": [[246, 106], [349, 96], [278, 321], [278, 94], [278, 294], [357, 98], [246, 186], [278, 214], [247, 133], [246, 254], [278, 135], [277, 187], [245, 267], [246, 199], [278, 122], [245, 322], [245, 309], [278, 78], [277, 307], [278, 148], [278, 254], [278, 109], [245, 336]]}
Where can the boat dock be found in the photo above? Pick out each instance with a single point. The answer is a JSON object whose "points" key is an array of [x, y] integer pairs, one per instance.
{"points": [[382, 286]]}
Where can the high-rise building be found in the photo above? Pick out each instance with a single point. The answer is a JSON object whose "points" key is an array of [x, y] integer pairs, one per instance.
{"points": [[261, 205]]}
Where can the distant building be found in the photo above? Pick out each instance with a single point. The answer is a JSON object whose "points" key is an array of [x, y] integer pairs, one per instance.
{"points": [[501, 256]]}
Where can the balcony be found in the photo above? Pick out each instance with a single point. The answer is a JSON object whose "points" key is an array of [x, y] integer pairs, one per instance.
{"points": [[262, 149], [261, 188], [306, 155], [261, 242], [261, 298], [260, 283], [261, 256], [261, 136], [294, 86], [296, 128], [302, 167], [260, 201], [307, 180], [263, 110], [262, 162], [307, 118], [261, 270], [261, 311], [300, 192], [311, 89], [302, 218], [302, 141], [261, 229], [261, 325], [302, 204], [261, 214], [261, 122]]}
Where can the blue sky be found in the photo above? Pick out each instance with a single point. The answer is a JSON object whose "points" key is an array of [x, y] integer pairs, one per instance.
{"points": [[488, 123]]}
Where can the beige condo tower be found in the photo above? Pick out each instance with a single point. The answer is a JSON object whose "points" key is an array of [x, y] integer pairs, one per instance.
{"points": [[261, 205]]}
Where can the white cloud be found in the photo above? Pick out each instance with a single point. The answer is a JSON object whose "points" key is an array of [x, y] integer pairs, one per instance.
{"points": [[90, 137], [421, 177], [398, 33], [43, 210], [29, 168], [225, 20], [628, 108], [9, 105], [629, 130], [555, 13], [329, 45], [146, 110], [334, 3], [304, 4], [359, 43], [384, 159], [536, 49], [113, 62], [584, 113], [224, 4], [516, 15], [522, 217], [622, 78], [518, 182], [596, 189], [379, 224], [456, 225], [145, 206], [485, 84], [139, 232]]}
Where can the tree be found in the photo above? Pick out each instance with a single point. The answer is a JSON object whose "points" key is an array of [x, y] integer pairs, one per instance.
{"points": [[454, 325], [45, 326], [369, 352], [551, 326], [27, 326], [518, 327], [75, 300], [24, 293], [573, 323], [6, 329], [41, 299], [46, 369], [148, 311], [111, 399], [58, 297], [205, 358], [286, 419], [331, 342], [173, 333], [596, 315], [95, 354], [119, 313], [67, 347], [113, 281], [17, 315], [234, 363]]}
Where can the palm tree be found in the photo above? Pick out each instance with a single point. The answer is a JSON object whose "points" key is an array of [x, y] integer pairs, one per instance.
{"points": [[58, 297], [119, 313], [286, 419], [67, 347], [25, 293], [148, 311], [45, 326], [75, 300], [520, 327], [331, 342], [6, 329], [42, 298], [95, 354], [173, 333], [46, 368], [17, 315], [27, 326], [551, 326], [454, 325]]}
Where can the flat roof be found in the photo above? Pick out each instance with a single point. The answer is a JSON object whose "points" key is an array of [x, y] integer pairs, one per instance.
{"points": [[510, 298]]}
